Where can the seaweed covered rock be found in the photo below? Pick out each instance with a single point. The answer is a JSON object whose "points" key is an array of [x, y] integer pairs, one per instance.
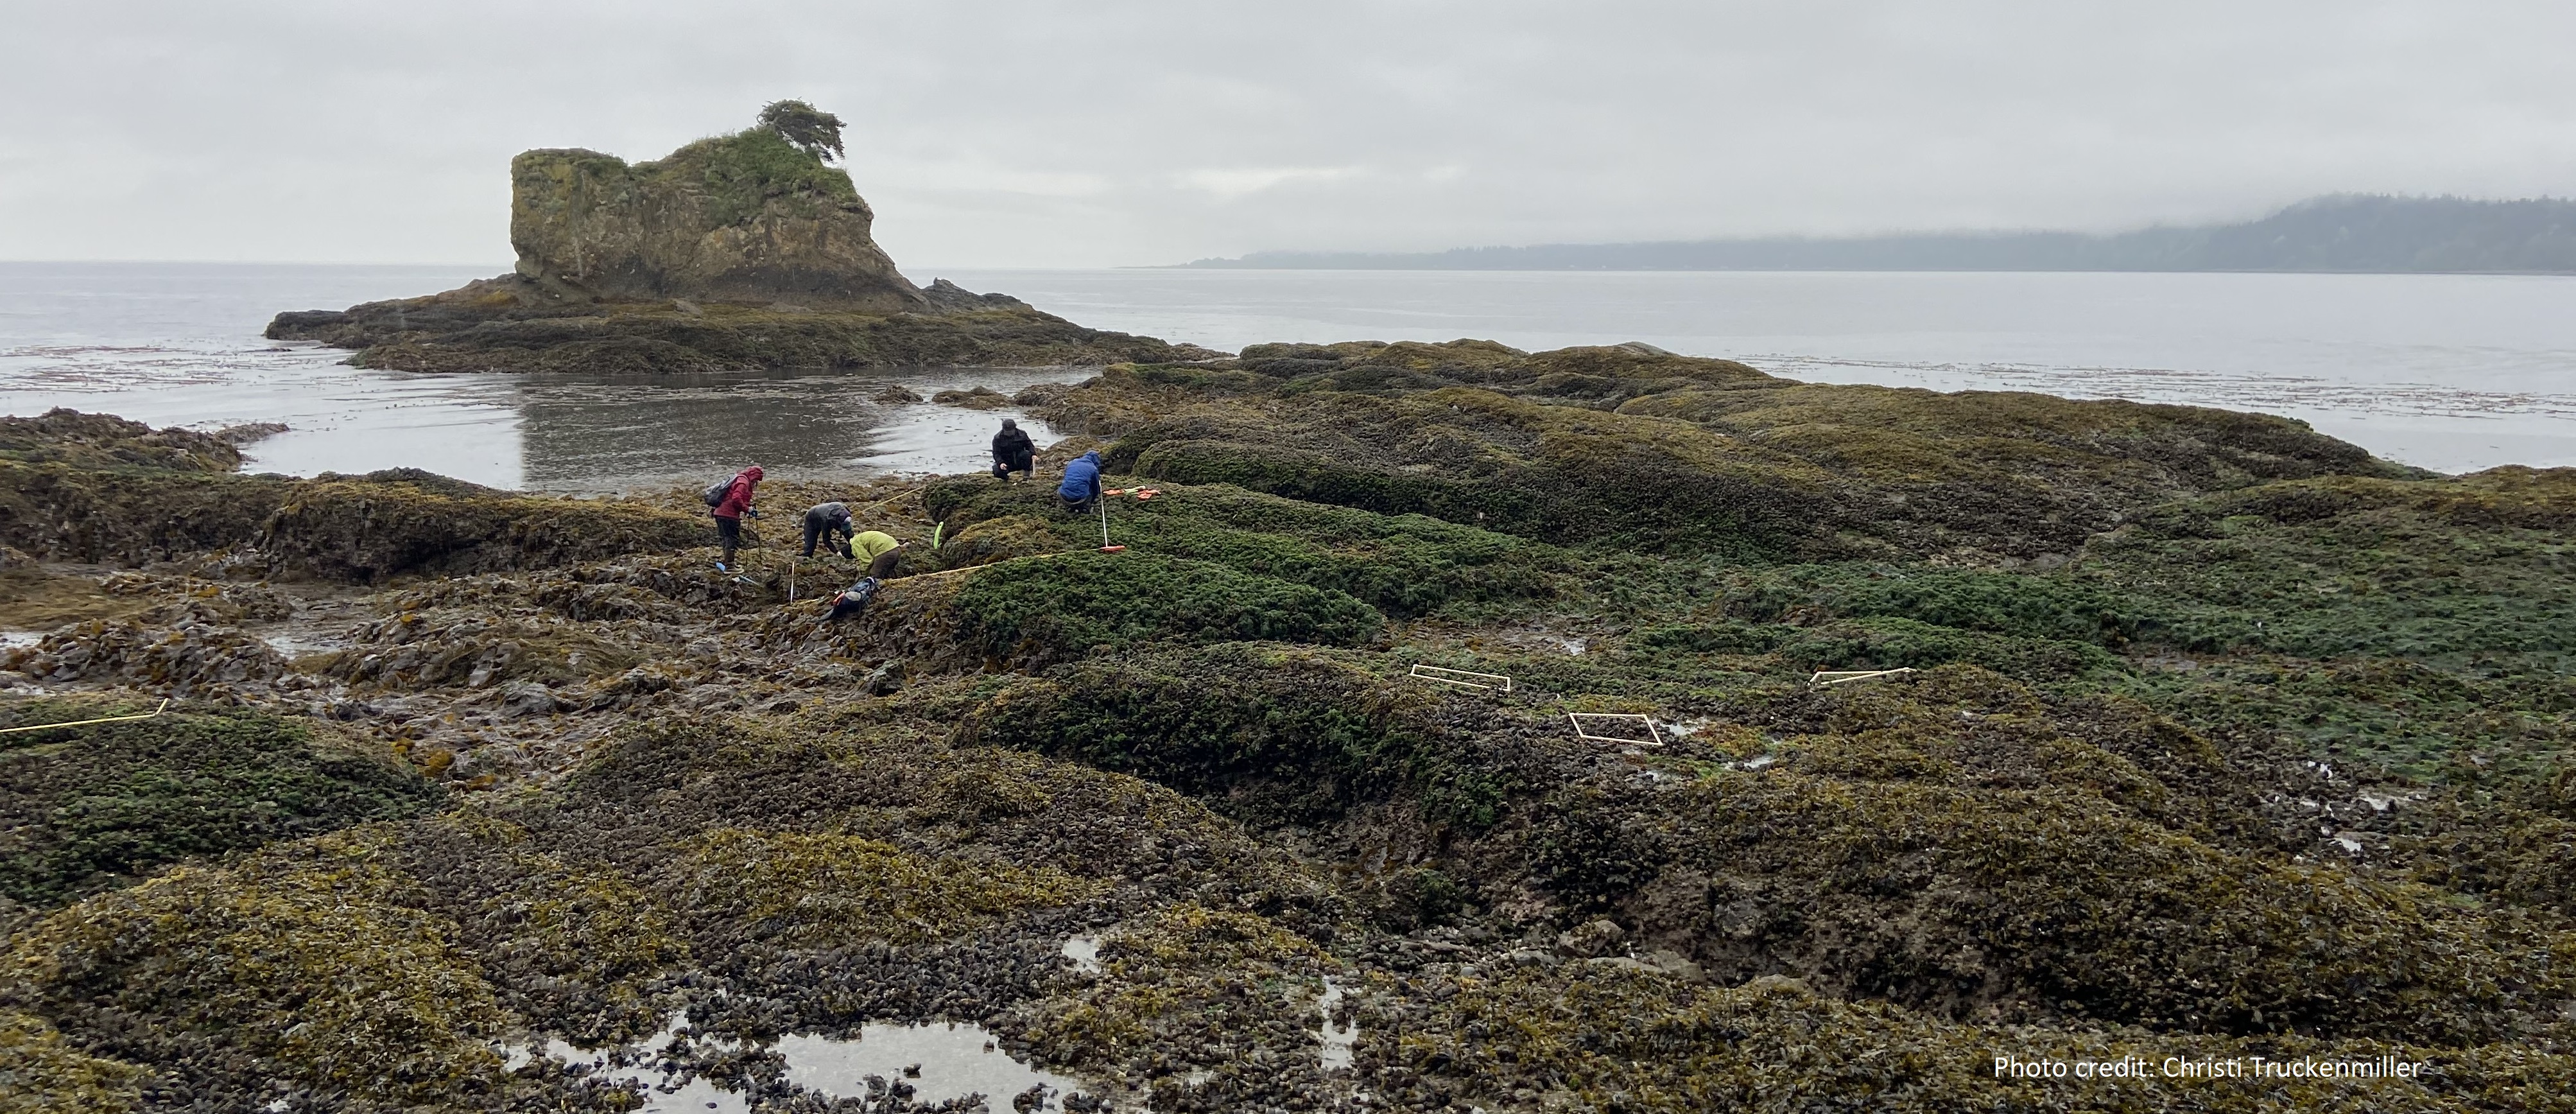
{"points": [[364, 530], [415, 649], [358, 528], [1961, 857], [1278, 736], [67, 436], [508, 324], [295, 968], [189, 659], [1404, 565], [1615, 1035], [1205, 1006], [92, 806], [827, 890], [1041, 611], [80, 515], [1640, 450], [2223, 741], [40, 1071], [767, 878]]}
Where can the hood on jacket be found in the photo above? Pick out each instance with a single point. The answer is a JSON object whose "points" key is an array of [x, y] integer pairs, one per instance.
{"points": [[1093, 456], [1009, 424], [753, 472]]}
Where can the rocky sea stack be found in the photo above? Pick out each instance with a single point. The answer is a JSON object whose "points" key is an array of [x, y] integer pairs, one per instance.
{"points": [[737, 252]]}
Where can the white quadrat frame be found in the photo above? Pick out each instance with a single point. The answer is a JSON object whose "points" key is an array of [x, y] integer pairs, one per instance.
{"points": [[1653, 737], [1459, 677]]}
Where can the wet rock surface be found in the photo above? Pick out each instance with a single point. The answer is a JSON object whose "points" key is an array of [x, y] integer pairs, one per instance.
{"points": [[2275, 767]]}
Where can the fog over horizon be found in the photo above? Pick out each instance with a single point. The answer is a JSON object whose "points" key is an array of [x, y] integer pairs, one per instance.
{"points": [[1022, 134]]}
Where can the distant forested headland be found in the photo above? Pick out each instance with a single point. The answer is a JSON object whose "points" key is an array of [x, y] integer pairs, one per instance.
{"points": [[2340, 233]]}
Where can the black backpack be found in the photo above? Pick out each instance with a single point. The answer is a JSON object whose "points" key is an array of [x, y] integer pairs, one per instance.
{"points": [[715, 492]]}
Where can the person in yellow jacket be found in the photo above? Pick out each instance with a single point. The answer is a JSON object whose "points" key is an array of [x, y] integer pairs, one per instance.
{"points": [[879, 549]]}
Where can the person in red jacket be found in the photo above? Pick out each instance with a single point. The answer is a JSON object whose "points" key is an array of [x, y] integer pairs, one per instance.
{"points": [[729, 511]]}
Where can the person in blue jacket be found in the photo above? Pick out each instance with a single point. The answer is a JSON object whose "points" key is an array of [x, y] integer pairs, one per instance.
{"points": [[1081, 486]]}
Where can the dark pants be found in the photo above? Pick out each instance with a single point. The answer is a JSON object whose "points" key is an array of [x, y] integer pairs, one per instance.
{"points": [[1004, 466], [820, 529], [883, 567], [729, 534], [1082, 505]]}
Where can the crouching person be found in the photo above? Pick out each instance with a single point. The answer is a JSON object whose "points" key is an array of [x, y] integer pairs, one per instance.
{"points": [[1080, 490], [880, 550]]}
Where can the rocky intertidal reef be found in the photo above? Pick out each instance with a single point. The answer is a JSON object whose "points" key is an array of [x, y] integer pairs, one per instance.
{"points": [[737, 252], [2223, 744]]}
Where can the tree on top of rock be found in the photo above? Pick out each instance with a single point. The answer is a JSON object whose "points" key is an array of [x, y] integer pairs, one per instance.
{"points": [[808, 127]]}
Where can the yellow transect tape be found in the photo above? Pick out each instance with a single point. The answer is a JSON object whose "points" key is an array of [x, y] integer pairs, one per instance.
{"points": [[165, 706]]}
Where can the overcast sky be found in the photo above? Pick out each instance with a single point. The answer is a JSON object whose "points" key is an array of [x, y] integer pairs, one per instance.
{"points": [[1006, 133]]}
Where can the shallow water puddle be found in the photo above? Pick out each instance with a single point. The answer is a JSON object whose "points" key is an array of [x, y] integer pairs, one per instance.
{"points": [[939, 1063], [1084, 951], [296, 644], [660, 1094], [1338, 1039], [953, 1060]]}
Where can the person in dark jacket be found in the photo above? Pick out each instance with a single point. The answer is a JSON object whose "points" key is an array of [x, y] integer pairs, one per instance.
{"points": [[729, 511], [823, 521], [1013, 452], [852, 601], [1081, 486]]}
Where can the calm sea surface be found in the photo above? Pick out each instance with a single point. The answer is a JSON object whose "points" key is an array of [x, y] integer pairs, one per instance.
{"points": [[2454, 373]]}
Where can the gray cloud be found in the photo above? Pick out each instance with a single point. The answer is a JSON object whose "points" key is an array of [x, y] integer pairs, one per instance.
{"points": [[1024, 132]]}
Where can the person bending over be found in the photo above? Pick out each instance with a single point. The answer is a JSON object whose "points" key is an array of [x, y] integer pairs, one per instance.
{"points": [[825, 521], [879, 549], [1081, 486]]}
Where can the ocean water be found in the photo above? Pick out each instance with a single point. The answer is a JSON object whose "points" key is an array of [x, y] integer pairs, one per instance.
{"points": [[2454, 373], [179, 344]]}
